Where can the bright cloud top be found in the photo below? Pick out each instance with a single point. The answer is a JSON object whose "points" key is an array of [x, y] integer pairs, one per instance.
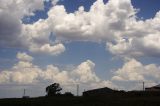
{"points": [[115, 23], [133, 70], [25, 72]]}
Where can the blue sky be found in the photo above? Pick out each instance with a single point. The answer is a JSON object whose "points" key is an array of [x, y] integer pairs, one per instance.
{"points": [[80, 51], [70, 49]]}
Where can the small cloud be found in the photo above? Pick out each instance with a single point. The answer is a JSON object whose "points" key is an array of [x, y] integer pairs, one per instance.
{"points": [[48, 49], [22, 56]]}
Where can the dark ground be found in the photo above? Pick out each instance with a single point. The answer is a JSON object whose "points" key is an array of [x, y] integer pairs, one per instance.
{"points": [[110, 100]]}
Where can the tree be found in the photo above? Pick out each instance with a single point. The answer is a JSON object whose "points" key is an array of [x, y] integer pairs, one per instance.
{"points": [[53, 89]]}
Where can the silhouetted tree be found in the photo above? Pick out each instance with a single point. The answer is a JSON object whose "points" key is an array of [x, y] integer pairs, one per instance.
{"points": [[53, 89]]}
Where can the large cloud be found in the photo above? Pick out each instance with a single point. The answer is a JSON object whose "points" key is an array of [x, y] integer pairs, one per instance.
{"points": [[11, 14], [20, 8], [103, 22], [14, 34], [133, 70], [37, 37], [137, 40], [115, 23], [25, 72]]}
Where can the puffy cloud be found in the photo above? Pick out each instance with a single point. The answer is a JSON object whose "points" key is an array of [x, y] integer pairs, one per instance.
{"points": [[115, 23], [24, 57], [37, 33], [37, 37], [24, 72], [48, 49], [137, 40], [133, 70], [101, 23], [11, 14], [20, 8], [85, 72], [14, 33]]}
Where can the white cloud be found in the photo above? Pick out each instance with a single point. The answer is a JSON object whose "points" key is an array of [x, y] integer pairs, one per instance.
{"points": [[24, 57], [85, 72], [137, 40], [37, 38], [54, 2], [14, 33], [133, 70], [20, 8], [115, 23], [48, 49], [101, 23], [25, 72]]}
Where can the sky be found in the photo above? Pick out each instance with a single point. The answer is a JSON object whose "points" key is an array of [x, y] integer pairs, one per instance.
{"points": [[93, 43]]}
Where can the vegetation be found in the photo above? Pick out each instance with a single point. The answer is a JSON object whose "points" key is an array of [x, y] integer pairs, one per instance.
{"points": [[53, 89]]}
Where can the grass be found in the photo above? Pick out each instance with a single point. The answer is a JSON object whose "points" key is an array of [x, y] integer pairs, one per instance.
{"points": [[110, 100]]}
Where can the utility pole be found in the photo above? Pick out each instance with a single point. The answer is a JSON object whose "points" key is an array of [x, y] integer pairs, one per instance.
{"points": [[143, 86], [77, 89]]}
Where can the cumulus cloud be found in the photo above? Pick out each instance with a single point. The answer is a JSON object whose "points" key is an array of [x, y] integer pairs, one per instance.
{"points": [[11, 13], [133, 70], [115, 23], [137, 40], [25, 72], [103, 22], [13, 33], [20, 8], [24, 57], [48, 49], [37, 38], [85, 72]]}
